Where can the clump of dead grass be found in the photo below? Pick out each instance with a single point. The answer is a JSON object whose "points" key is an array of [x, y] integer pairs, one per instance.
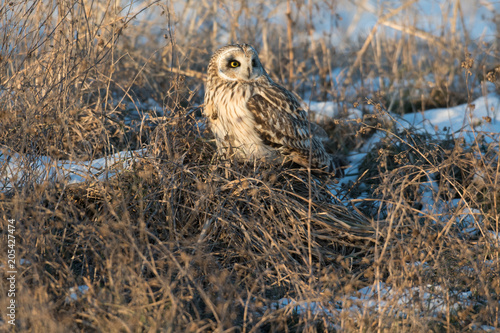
{"points": [[204, 243], [431, 191]]}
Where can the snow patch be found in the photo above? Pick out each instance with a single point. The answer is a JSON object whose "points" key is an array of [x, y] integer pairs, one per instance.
{"points": [[16, 168], [76, 293]]}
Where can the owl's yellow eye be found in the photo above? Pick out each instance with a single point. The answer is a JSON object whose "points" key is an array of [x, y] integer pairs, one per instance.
{"points": [[234, 64]]}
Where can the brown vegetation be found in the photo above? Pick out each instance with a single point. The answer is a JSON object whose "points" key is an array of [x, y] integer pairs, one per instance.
{"points": [[181, 240]]}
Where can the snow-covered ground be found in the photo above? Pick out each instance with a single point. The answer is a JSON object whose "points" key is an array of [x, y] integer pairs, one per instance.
{"points": [[14, 168], [481, 116], [468, 121]]}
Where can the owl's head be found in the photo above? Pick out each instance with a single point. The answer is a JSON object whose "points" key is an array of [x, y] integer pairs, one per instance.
{"points": [[236, 62]]}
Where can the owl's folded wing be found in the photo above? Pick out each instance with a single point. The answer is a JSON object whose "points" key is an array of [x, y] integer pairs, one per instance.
{"points": [[282, 124]]}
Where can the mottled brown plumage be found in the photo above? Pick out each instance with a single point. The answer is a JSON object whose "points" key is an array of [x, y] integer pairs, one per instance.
{"points": [[254, 118]]}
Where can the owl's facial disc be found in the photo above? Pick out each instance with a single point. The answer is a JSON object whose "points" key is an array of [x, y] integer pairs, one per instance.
{"points": [[240, 65]]}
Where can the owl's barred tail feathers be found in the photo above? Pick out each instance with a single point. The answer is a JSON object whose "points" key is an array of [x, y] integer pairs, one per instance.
{"points": [[331, 164]]}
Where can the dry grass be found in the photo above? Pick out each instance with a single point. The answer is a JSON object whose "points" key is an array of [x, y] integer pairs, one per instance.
{"points": [[185, 241]]}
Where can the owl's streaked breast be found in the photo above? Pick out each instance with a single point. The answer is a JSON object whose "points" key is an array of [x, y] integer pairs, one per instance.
{"points": [[234, 125]]}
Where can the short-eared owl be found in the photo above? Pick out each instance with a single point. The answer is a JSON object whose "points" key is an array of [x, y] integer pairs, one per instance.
{"points": [[254, 118]]}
